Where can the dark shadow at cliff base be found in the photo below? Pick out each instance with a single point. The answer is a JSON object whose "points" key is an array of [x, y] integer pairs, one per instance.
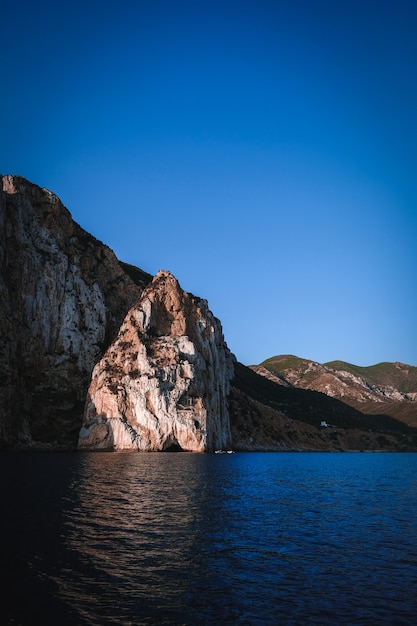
{"points": [[174, 447], [258, 408]]}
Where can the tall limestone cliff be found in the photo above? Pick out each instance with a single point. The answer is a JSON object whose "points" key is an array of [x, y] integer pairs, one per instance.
{"points": [[167, 379], [63, 296], [164, 382]]}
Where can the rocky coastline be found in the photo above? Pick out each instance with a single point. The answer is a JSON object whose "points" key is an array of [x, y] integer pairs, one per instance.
{"points": [[96, 354]]}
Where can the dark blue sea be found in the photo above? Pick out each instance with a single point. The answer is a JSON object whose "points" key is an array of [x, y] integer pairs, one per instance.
{"points": [[182, 538]]}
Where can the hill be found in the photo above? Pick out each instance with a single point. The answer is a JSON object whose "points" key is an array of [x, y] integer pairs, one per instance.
{"points": [[384, 388], [395, 375]]}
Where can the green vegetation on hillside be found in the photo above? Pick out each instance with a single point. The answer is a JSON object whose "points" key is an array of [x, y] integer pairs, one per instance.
{"points": [[402, 377], [279, 364], [312, 407]]}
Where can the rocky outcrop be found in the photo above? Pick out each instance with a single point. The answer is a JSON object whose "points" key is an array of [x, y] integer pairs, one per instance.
{"points": [[164, 382], [63, 296], [342, 380], [164, 377]]}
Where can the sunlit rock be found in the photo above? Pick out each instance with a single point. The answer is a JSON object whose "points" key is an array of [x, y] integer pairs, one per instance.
{"points": [[164, 382]]}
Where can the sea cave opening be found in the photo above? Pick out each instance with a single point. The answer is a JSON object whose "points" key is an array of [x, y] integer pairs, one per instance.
{"points": [[173, 446]]}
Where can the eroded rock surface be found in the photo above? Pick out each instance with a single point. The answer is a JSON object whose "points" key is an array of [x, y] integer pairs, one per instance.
{"points": [[167, 379], [164, 382], [63, 296], [336, 383]]}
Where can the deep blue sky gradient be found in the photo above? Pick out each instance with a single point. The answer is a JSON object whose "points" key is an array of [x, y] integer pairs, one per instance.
{"points": [[264, 152]]}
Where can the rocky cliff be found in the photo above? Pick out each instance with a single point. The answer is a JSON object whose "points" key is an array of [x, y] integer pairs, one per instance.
{"points": [[63, 296], [164, 382], [79, 330]]}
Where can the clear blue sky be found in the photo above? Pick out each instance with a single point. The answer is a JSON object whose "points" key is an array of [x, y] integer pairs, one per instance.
{"points": [[264, 152]]}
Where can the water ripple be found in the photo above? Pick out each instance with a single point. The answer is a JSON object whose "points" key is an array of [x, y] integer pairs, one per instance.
{"points": [[208, 539]]}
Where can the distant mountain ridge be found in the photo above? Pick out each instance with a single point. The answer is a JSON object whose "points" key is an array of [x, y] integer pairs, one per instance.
{"points": [[389, 388], [399, 375]]}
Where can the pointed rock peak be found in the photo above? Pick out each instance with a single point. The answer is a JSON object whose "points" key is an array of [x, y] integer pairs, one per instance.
{"points": [[167, 309], [165, 275], [165, 283], [8, 184], [165, 380]]}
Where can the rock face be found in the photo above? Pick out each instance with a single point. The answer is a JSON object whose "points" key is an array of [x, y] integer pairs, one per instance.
{"points": [[167, 379], [385, 388], [343, 380], [63, 296], [164, 382]]}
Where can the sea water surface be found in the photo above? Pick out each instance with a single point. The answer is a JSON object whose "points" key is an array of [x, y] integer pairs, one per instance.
{"points": [[182, 538]]}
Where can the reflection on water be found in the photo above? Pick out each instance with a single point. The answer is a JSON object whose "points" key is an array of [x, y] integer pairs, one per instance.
{"points": [[106, 538], [135, 525]]}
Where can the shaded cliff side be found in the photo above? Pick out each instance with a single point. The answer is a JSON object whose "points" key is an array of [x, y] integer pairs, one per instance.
{"points": [[164, 382], [270, 416], [63, 296], [384, 388], [163, 375]]}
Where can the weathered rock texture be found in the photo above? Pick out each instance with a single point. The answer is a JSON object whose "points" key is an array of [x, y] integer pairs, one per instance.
{"points": [[376, 383], [384, 388], [164, 382], [63, 296], [167, 379]]}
